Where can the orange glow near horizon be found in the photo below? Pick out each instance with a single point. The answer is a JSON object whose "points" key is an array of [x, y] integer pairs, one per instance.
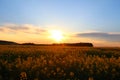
{"points": [[56, 35]]}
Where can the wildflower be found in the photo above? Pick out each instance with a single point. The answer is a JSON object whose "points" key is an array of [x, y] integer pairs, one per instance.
{"points": [[57, 69], [90, 78], [23, 76], [71, 74]]}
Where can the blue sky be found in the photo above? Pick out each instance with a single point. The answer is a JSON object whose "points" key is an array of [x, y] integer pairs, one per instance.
{"points": [[75, 16]]}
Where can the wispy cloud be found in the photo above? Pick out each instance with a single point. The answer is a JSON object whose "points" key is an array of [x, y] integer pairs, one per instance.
{"points": [[1, 29], [25, 28], [101, 35], [23, 33]]}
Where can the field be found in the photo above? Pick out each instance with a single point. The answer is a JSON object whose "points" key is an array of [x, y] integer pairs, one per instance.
{"points": [[22, 62]]}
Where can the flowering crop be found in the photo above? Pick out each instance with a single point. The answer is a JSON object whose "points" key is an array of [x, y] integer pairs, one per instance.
{"points": [[20, 62]]}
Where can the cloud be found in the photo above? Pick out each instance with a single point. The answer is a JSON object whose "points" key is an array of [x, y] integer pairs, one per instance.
{"points": [[23, 33], [32, 33], [24, 28], [1, 29], [113, 37]]}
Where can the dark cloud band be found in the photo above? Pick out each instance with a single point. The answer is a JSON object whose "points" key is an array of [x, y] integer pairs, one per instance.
{"points": [[100, 35]]}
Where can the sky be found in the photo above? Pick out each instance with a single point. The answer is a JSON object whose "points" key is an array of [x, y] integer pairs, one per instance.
{"points": [[95, 21]]}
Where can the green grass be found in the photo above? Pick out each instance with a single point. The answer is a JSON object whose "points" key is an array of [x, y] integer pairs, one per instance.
{"points": [[59, 63]]}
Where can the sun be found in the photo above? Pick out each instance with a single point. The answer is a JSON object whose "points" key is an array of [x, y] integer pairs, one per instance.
{"points": [[56, 35]]}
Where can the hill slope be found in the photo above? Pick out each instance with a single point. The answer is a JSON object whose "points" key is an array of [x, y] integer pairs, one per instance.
{"points": [[2, 42]]}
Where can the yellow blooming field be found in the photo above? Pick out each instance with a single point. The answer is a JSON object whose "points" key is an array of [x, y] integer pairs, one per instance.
{"points": [[25, 62]]}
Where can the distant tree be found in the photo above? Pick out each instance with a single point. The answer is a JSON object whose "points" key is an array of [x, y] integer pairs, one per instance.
{"points": [[28, 44], [74, 44]]}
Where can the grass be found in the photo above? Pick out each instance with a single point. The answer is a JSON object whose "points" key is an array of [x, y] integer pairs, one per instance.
{"points": [[20, 62]]}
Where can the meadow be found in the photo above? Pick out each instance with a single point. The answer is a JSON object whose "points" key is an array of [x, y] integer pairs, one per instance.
{"points": [[27, 62]]}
